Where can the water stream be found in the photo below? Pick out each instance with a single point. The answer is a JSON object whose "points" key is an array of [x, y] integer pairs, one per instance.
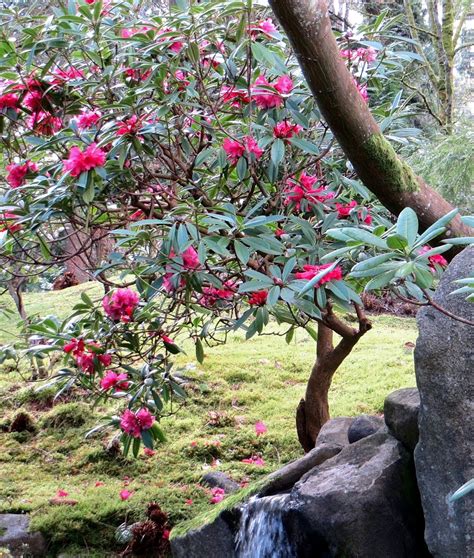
{"points": [[262, 533]]}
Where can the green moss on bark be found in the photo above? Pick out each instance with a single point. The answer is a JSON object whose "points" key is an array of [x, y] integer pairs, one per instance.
{"points": [[399, 173]]}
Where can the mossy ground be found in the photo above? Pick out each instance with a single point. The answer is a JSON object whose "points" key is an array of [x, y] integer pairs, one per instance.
{"points": [[244, 381]]}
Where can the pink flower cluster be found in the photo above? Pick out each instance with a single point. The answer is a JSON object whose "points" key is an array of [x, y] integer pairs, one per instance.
{"points": [[236, 97], [121, 304], [236, 149], [134, 424], [7, 222], [311, 271], [303, 190], [88, 118], [129, 126], [17, 173], [362, 54], [254, 460], [269, 95], [435, 258], [212, 294], [44, 123], [85, 355], [115, 381], [217, 495], [344, 210], [190, 263], [9, 100], [82, 161], [258, 298], [286, 130]]}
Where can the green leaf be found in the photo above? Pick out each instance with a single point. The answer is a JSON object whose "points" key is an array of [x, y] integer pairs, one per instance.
{"points": [[397, 242], [305, 145], [380, 281], [199, 351], [147, 439], [289, 335], [438, 225], [136, 447], [460, 240], [312, 332], [407, 225], [242, 168], [369, 263], [359, 235], [241, 251], [278, 151]]}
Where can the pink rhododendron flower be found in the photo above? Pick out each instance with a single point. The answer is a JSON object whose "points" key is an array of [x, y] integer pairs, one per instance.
{"points": [[254, 460], [280, 232], [344, 210], [367, 54], [130, 126], [88, 118], [263, 96], [258, 298], [75, 346], [190, 259], [435, 258], [86, 361], [286, 130], [137, 75], [349, 54], [81, 161], [9, 100], [217, 495], [236, 97], [134, 424], [114, 380], [236, 149], [69, 74], [44, 123], [182, 78], [267, 26], [212, 294], [33, 100], [125, 494], [99, 483], [17, 173], [311, 271], [303, 190], [7, 222], [362, 89], [188, 502], [121, 304], [260, 428], [62, 493], [149, 452]]}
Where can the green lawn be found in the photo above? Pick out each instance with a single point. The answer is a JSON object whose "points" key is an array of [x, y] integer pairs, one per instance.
{"points": [[244, 381]]}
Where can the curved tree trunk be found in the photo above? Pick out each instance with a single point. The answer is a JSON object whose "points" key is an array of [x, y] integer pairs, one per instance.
{"points": [[313, 411], [393, 182]]}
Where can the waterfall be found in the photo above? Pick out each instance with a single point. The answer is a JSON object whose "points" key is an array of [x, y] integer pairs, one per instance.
{"points": [[262, 533]]}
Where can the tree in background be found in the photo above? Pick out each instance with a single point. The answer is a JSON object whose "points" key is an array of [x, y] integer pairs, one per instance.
{"points": [[193, 141]]}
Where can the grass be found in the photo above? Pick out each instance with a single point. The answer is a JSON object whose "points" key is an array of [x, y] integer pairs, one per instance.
{"points": [[244, 381]]}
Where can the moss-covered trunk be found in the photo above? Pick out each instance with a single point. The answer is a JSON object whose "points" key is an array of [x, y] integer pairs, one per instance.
{"points": [[308, 27]]}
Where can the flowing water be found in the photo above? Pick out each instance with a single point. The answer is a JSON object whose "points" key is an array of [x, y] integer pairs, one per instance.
{"points": [[262, 533]]}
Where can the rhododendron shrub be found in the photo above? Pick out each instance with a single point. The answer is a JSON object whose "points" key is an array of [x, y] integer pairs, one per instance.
{"points": [[193, 142]]}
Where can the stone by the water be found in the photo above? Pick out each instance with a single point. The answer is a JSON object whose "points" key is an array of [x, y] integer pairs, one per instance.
{"points": [[363, 426], [401, 415], [444, 365], [17, 538]]}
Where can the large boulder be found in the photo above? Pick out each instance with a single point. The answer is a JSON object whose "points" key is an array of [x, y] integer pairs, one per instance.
{"points": [[401, 415], [334, 431], [218, 479], [363, 426], [362, 503], [17, 538], [287, 476], [444, 358]]}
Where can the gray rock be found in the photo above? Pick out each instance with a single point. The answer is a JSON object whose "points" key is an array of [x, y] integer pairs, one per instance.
{"points": [[287, 476], [213, 540], [363, 503], [401, 415], [217, 479], [444, 358], [363, 426], [15, 535], [335, 431]]}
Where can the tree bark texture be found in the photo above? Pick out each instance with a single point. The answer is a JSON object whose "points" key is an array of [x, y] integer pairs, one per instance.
{"points": [[389, 178]]}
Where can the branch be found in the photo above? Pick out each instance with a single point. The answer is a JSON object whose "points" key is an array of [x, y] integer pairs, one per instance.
{"points": [[444, 311]]}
